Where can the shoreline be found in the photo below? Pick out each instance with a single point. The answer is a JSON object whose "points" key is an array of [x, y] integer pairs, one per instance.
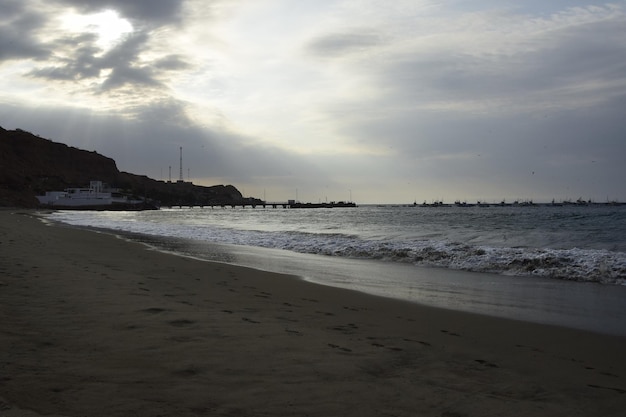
{"points": [[94, 325], [586, 306], [481, 246]]}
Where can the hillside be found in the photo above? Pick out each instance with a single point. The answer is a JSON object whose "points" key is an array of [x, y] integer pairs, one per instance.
{"points": [[30, 165]]}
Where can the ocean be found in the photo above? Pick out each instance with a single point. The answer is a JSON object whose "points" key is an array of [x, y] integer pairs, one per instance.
{"points": [[562, 265]]}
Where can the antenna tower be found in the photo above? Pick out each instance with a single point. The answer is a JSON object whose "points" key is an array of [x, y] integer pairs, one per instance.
{"points": [[181, 165]]}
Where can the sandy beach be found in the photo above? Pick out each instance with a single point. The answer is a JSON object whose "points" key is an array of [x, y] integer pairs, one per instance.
{"points": [[93, 325]]}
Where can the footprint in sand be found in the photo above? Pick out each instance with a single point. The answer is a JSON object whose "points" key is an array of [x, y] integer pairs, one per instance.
{"points": [[485, 363], [187, 372], [181, 322], [343, 349], [380, 345], [154, 310], [287, 319], [347, 329], [421, 342], [618, 390], [250, 320], [534, 349]]}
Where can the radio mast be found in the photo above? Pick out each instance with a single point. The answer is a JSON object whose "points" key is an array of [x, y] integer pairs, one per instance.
{"points": [[181, 165]]}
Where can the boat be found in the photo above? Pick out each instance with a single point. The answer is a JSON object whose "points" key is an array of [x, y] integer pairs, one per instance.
{"points": [[434, 204], [96, 197]]}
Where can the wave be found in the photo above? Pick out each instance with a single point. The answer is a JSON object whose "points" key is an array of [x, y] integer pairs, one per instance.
{"points": [[589, 265], [600, 266]]}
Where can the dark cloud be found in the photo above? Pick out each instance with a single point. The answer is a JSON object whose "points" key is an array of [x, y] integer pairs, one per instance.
{"points": [[127, 75], [10, 8], [340, 44], [84, 62], [172, 62], [123, 59], [81, 63], [142, 12], [18, 26]]}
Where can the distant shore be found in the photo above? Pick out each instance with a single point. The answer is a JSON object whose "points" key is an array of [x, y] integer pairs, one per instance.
{"points": [[93, 325]]}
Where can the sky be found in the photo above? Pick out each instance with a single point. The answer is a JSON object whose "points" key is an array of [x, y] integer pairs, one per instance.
{"points": [[374, 101]]}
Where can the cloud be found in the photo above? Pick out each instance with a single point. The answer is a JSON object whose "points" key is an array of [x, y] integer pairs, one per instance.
{"points": [[172, 62], [79, 60], [76, 62], [341, 44], [535, 64], [413, 95], [17, 26], [146, 12], [124, 62], [482, 109], [535, 67], [487, 61]]}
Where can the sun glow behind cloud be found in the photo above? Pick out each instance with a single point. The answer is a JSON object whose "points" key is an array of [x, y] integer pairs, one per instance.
{"points": [[107, 25]]}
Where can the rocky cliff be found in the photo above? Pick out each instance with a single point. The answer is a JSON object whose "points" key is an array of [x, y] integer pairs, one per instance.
{"points": [[30, 165]]}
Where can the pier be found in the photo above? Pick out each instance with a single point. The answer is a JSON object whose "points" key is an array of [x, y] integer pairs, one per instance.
{"points": [[290, 204], [530, 203]]}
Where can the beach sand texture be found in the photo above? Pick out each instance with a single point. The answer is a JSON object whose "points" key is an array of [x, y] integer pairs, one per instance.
{"points": [[92, 325]]}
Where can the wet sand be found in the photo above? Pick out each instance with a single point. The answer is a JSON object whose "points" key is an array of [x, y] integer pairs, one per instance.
{"points": [[92, 325]]}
